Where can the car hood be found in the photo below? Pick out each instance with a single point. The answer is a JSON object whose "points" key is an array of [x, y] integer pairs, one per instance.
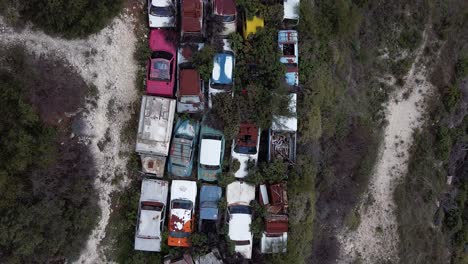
{"points": [[240, 193], [243, 160], [160, 22]]}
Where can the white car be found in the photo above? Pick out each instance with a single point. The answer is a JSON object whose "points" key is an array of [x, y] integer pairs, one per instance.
{"points": [[245, 148], [239, 196], [162, 13], [151, 212], [181, 216]]}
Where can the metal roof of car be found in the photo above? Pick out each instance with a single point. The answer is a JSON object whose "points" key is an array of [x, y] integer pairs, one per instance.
{"points": [[225, 7], [223, 65], [192, 15], [240, 193], [210, 152], [189, 82]]}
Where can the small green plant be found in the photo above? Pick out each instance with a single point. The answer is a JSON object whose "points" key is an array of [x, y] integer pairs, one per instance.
{"points": [[353, 219], [203, 61]]}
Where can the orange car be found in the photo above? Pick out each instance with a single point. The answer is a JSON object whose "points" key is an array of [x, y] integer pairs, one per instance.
{"points": [[183, 196]]}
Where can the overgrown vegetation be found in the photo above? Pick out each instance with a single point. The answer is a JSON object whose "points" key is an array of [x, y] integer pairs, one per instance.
{"points": [[432, 215], [43, 203], [71, 19]]}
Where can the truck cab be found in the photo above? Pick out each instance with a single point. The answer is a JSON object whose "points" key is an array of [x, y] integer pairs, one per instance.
{"points": [[154, 133]]}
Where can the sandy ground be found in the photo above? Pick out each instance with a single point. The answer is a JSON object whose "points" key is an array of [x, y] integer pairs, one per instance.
{"points": [[376, 238], [106, 61]]}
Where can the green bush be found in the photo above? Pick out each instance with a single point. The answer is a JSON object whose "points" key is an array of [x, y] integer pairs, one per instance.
{"points": [[71, 19], [203, 61], [47, 211]]}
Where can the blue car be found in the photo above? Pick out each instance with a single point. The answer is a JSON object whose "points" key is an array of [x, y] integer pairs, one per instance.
{"points": [[183, 146], [210, 195]]}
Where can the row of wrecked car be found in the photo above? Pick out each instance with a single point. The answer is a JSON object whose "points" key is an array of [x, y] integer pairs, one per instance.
{"points": [[188, 150], [182, 220]]}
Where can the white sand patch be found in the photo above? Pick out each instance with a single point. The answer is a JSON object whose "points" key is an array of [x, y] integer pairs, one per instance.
{"points": [[106, 61], [376, 238]]}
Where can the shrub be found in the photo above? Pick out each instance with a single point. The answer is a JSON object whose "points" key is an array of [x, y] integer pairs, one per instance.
{"points": [[203, 61], [70, 18]]}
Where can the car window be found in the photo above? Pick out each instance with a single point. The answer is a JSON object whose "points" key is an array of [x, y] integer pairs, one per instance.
{"points": [[182, 204], [210, 167], [241, 242], [288, 49], [240, 209], [162, 11], [226, 19], [160, 70], [189, 99], [179, 234]]}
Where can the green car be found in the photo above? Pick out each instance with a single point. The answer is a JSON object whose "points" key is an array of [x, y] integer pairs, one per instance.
{"points": [[211, 154]]}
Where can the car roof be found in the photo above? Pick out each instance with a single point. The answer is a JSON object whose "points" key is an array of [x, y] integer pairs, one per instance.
{"points": [[210, 193], [154, 190], [189, 82], [223, 65], [225, 7], [192, 15], [155, 124], [240, 193], [239, 227], [184, 190], [283, 123], [210, 152], [291, 9]]}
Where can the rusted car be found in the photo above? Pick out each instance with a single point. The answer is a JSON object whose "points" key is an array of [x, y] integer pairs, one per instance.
{"points": [[181, 216], [275, 199]]}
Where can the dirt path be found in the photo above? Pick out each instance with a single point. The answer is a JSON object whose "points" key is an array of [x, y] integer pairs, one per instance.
{"points": [[376, 238], [104, 60]]}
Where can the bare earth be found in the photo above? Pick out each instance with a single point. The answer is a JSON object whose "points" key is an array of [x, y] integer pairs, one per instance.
{"points": [[106, 61], [376, 239]]}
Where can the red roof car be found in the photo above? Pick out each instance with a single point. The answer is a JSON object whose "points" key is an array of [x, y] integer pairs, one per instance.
{"points": [[192, 19], [160, 77]]}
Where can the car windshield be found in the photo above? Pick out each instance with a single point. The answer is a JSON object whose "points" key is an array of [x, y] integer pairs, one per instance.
{"points": [[291, 65], [189, 99], [241, 242], [226, 19], [160, 70], [152, 206], [182, 204], [240, 209], [246, 144], [245, 149], [220, 86], [162, 11], [183, 136], [210, 167], [179, 234]]}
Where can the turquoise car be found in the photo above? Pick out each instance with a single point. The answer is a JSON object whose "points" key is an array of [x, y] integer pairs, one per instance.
{"points": [[211, 156], [183, 146]]}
